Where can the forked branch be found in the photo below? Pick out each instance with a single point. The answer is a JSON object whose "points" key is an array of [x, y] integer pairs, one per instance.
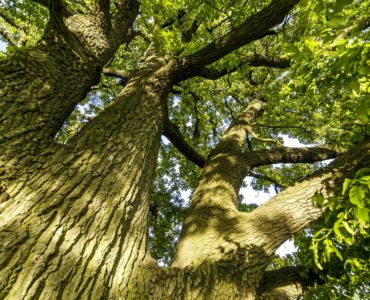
{"points": [[126, 12], [253, 28]]}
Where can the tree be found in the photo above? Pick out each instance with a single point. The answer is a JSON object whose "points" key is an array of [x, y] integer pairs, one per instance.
{"points": [[76, 189]]}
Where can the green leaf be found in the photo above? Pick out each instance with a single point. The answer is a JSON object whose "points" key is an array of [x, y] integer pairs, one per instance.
{"points": [[348, 228], [362, 172], [318, 199], [362, 111], [362, 214], [340, 4], [338, 254], [346, 184], [336, 22], [357, 195], [338, 233]]}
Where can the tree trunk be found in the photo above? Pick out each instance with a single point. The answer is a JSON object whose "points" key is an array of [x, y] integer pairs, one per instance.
{"points": [[75, 226], [40, 86]]}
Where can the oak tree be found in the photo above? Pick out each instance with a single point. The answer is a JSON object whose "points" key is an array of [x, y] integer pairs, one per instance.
{"points": [[111, 110]]}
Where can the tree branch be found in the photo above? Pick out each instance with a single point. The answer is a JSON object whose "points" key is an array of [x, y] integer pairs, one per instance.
{"points": [[286, 283], [127, 10], [8, 37], [21, 41], [280, 126], [57, 8], [124, 75], [143, 36], [233, 140], [187, 34], [257, 137], [9, 20], [255, 27], [102, 8], [172, 132], [253, 61], [266, 178], [103, 5], [250, 160], [281, 277], [293, 209]]}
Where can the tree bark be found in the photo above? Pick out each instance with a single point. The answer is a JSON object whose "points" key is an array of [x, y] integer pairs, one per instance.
{"points": [[77, 227], [41, 85]]}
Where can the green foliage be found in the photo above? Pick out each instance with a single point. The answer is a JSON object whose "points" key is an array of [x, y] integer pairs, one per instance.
{"points": [[340, 241], [30, 20], [166, 214]]}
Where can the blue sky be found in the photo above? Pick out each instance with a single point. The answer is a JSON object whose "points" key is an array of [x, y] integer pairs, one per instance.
{"points": [[2, 46]]}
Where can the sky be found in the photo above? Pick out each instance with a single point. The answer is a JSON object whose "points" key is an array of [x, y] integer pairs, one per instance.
{"points": [[2, 46]]}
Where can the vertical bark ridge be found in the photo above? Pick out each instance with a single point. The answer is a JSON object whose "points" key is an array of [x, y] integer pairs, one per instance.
{"points": [[91, 203]]}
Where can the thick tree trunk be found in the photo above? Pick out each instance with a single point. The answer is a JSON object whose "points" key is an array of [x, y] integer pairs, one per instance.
{"points": [[75, 227]]}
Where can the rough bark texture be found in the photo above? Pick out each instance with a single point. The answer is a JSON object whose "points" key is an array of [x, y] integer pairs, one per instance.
{"points": [[77, 227], [40, 86]]}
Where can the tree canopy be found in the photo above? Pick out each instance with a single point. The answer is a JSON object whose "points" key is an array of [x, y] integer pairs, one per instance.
{"points": [[311, 71]]}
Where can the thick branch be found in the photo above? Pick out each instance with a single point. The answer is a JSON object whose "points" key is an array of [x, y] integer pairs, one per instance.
{"points": [[127, 10], [250, 160], [285, 276], [103, 5], [285, 283], [233, 140], [253, 61], [172, 132], [254, 28], [102, 10], [57, 8], [293, 209]]}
